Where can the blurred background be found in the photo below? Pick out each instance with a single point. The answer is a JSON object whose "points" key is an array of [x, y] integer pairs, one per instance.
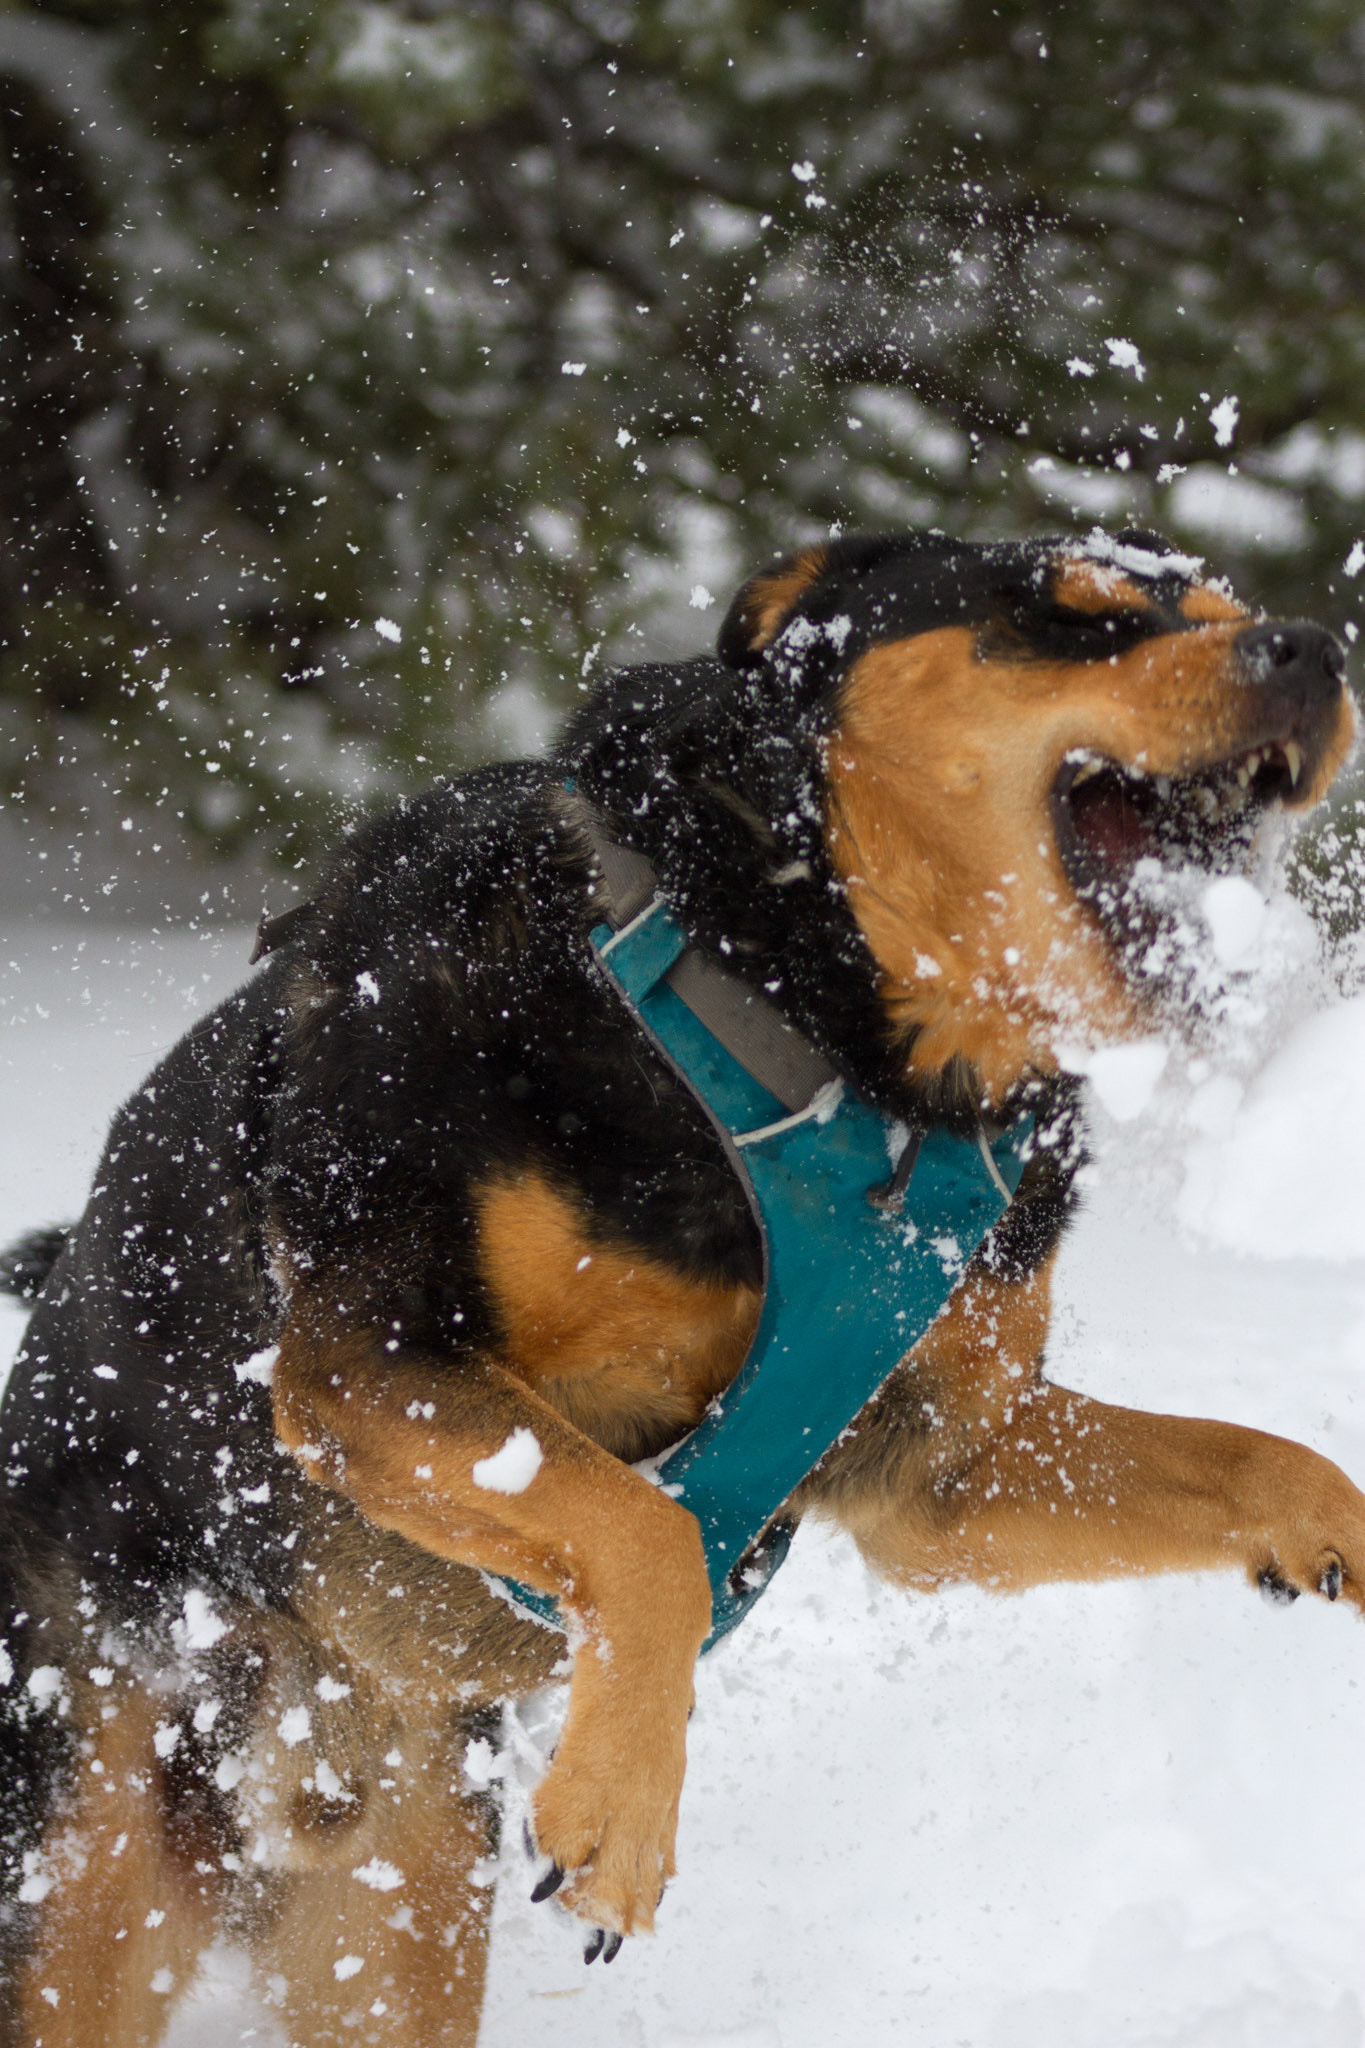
{"points": [[376, 371]]}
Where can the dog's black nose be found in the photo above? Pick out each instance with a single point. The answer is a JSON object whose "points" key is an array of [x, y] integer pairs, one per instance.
{"points": [[1302, 662]]}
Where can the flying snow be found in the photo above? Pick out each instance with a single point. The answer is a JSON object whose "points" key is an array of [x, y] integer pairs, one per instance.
{"points": [[260, 1367], [296, 1725], [1223, 420], [1125, 355], [202, 1626]]}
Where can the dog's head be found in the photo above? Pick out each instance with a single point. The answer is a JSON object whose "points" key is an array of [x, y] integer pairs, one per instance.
{"points": [[1011, 742]]}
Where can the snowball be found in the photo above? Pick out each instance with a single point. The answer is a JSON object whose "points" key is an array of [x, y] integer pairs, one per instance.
{"points": [[1355, 561], [6, 1666], [368, 987], [1124, 1077], [378, 1875], [572, 369], [1236, 913], [1212, 1109], [701, 599], [804, 172], [387, 630], [1077, 366], [1284, 1181], [347, 1967], [166, 1739], [511, 1469]]}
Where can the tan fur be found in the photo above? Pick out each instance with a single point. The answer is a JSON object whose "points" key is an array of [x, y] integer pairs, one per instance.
{"points": [[119, 1933], [1085, 585], [1207, 604], [766, 600], [1034, 1483], [629, 1350], [401, 1443], [421, 1945]]}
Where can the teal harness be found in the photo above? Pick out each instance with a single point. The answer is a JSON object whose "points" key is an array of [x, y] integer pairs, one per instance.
{"points": [[858, 1261]]}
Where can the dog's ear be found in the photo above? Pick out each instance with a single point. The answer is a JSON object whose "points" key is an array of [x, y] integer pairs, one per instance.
{"points": [[768, 600], [762, 607]]}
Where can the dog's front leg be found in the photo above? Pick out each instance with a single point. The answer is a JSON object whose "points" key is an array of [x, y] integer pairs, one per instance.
{"points": [[970, 1466], [413, 1439]]}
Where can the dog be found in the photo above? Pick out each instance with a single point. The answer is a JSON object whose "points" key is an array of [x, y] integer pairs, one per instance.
{"points": [[423, 1189]]}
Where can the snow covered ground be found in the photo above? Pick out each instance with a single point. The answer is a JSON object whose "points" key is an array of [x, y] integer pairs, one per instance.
{"points": [[1115, 1817]]}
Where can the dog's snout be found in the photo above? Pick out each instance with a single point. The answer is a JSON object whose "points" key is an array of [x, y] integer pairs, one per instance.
{"points": [[1303, 662]]}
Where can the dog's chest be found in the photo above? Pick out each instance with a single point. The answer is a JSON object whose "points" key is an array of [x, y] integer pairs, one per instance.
{"points": [[629, 1348]]}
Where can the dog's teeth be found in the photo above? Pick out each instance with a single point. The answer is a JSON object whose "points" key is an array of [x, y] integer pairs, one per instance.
{"points": [[1293, 761], [1084, 773], [1244, 775]]}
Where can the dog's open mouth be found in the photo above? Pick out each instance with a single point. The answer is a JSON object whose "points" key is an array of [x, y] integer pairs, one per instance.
{"points": [[1116, 826]]}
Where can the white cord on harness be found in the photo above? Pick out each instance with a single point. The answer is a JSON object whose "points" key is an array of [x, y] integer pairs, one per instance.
{"points": [[993, 1170], [641, 917], [821, 1106]]}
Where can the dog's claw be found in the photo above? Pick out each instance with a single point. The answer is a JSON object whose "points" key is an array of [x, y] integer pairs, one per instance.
{"points": [[1275, 1588], [550, 1883], [1330, 1583], [612, 1948], [595, 1943]]}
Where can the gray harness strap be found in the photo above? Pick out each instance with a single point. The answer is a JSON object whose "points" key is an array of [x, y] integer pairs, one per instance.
{"points": [[750, 1028], [739, 1017]]}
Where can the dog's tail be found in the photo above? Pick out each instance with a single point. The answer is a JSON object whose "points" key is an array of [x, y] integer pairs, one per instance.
{"points": [[25, 1266]]}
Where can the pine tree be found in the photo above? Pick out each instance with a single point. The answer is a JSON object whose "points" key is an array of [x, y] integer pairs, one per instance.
{"points": [[372, 371]]}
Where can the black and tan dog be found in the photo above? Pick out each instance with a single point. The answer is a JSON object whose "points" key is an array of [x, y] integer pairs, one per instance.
{"points": [[428, 1153]]}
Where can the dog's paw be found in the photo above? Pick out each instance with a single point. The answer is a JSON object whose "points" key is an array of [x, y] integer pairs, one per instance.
{"points": [[609, 1833], [1324, 1572], [1319, 1545], [600, 1943]]}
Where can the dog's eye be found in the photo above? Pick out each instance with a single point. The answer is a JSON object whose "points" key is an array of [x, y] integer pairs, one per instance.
{"points": [[1056, 632]]}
